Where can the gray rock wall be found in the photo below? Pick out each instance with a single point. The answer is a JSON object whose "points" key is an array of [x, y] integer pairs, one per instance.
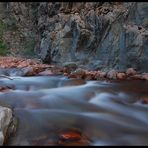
{"points": [[94, 35]]}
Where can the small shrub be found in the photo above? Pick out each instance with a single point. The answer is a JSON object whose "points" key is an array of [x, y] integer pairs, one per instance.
{"points": [[2, 27], [3, 49]]}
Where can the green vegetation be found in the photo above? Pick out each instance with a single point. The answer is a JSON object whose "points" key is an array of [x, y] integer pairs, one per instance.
{"points": [[26, 46], [3, 49], [3, 46], [3, 27]]}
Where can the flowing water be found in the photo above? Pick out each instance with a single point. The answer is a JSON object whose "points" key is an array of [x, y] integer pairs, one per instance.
{"points": [[105, 113]]}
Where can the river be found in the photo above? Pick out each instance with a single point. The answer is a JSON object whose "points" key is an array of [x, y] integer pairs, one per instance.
{"points": [[102, 112]]}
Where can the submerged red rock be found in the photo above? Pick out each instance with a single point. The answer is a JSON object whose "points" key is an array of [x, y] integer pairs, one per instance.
{"points": [[70, 135], [73, 137]]}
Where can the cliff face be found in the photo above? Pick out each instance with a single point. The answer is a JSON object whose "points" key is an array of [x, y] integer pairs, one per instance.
{"points": [[99, 35], [94, 35], [18, 27]]}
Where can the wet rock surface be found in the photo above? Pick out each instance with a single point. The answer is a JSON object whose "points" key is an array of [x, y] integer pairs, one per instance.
{"points": [[95, 35], [56, 110], [5, 120]]}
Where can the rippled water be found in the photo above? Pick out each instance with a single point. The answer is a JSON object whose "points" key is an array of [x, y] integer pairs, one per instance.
{"points": [[106, 113]]}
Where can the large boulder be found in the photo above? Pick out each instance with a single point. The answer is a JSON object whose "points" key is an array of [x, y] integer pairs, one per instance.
{"points": [[5, 120]]}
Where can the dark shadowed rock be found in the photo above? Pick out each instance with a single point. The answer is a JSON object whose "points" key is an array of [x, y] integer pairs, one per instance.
{"points": [[71, 66], [102, 74], [137, 77], [80, 71], [100, 35]]}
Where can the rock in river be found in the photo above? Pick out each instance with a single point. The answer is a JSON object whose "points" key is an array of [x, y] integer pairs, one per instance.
{"points": [[5, 119]]}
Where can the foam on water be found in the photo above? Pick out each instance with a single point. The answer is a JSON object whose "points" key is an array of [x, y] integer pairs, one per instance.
{"points": [[108, 113]]}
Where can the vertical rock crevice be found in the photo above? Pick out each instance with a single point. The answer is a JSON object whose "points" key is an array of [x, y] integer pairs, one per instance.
{"points": [[96, 35]]}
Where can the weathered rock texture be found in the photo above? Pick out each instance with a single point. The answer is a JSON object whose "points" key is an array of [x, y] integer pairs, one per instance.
{"points": [[5, 120], [17, 27], [99, 35], [95, 35]]}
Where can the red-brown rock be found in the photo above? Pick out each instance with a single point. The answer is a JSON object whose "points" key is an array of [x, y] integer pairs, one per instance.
{"points": [[112, 74], [80, 71], [137, 77], [145, 100], [72, 76], [46, 73], [145, 76], [97, 75], [70, 135], [4, 89], [121, 76], [102, 75], [73, 138], [88, 76], [130, 71]]}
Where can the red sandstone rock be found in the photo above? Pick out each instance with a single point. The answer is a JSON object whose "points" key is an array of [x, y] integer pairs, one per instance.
{"points": [[4, 89], [72, 76], [46, 73], [70, 135], [97, 75], [121, 76], [112, 74], [137, 77], [73, 138], [145, 100], [88, 76], [130, 71], [145, 76], [102, 75]]}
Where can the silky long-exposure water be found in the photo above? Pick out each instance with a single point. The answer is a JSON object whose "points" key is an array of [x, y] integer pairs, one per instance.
{"points": [[104, 113]]}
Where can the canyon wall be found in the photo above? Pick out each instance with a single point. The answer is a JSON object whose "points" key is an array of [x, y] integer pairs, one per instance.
{"points": [[94, 35]]}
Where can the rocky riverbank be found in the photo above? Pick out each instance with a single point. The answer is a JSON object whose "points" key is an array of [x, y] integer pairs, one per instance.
{"points": [[11, 66], [55, 110], [21, 104], [129, 74]]}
